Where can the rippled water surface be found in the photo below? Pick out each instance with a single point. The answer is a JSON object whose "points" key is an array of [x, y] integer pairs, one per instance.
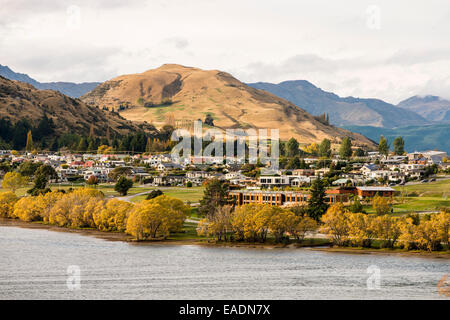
{"points": [[34, 262]]}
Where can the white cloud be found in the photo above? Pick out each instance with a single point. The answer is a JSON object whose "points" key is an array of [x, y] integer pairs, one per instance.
{"points": [[325, 42]]}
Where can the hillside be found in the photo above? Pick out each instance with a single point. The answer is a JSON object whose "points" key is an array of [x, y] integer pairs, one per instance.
{"points": [[417, 138], [178, 94], [19, 100], [70, 89], [432, 108], [342, 111]]}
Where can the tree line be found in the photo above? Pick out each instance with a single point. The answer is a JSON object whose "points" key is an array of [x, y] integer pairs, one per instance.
{"points": [[428, 232], [88, 208]]}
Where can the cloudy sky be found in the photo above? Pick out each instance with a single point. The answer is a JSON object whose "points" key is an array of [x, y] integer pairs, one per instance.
{"points": [[385, 49]]}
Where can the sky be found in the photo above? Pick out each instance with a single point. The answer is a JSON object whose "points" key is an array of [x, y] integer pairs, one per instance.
{"points": [[371, 49]]}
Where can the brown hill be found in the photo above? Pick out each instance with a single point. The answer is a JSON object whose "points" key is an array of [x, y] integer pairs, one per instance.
{"points": [[178, 94], [21, 100]]}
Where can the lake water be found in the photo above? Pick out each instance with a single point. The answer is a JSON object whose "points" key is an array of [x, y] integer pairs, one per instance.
{"points": [[34, 262]]}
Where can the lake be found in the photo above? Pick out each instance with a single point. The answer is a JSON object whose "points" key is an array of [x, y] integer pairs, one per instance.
{"points": [[34, 265]]}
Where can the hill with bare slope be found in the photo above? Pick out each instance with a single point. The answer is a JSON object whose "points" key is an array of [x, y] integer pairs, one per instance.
{"points": [[19, 100], [174, 93]]}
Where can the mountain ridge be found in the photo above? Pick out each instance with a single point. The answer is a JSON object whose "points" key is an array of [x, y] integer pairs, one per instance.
{"points": [[188, 94], [342, 110], [20, 100], [71, 89], [433, 108]]}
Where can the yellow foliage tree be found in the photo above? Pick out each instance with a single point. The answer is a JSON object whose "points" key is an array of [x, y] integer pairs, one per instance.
{"points": [[362, 229], [336, 224], [313, 148], [14, 181], [217, 225], [7, 201], [112, 216], [280, 221], [388, 230], [302, 226], [381, 205], [27, 209], [148, 220]]}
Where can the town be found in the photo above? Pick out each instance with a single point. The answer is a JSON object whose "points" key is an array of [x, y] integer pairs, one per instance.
{"points": [[365, 176]]}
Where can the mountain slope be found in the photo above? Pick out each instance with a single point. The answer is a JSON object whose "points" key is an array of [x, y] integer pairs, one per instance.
{"points": [[20, 100], [70, 89], [432, 108], [186, 94], [417, 138], [342, 111]]}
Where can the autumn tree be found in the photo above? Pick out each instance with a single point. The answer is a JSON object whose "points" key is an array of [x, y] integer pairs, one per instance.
{"points": [[113, 215], [336, 224], [7, 201], [92, 180], [250, 222], [301, 226], [217, 225], [362, 229], [29, 144], [388, 230], [280, 221], [13, 181], [381, 205]]}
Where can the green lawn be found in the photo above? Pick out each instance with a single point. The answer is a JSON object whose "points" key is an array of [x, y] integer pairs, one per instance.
{"points": [[192, 195], [439, 188]]}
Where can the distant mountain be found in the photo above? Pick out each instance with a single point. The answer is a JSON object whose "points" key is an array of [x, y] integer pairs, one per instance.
{"points": [[432, 108], [19, 100], [342, 111], [175, 93], [417, 138], [70, 89]]}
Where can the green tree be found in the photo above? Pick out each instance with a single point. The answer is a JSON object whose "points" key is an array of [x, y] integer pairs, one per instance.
{"points": [[292, 147], [293, 163], [316, 203], [82, 146], [214, 196], [325, 148], [28, 168], [399, 146], [383, 147], [40, 185], [123, 185], [345, 150], [47, 171]]}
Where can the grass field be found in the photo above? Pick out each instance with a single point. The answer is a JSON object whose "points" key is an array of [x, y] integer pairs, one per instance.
{"points": [[192, 195], [429, 196], [440, 188]]}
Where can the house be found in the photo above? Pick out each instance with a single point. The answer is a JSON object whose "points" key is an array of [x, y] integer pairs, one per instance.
{"points": [[165, 166], [273, 181], [370, 192], [169, 180]]}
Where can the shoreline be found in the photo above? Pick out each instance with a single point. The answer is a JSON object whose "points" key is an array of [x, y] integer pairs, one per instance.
{"points": [[117, 236]]}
